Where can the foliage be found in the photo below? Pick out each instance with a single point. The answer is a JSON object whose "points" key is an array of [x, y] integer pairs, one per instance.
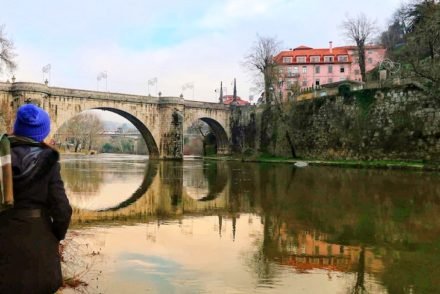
{"points": [[364, 99], [413, 39], [344, 90]]}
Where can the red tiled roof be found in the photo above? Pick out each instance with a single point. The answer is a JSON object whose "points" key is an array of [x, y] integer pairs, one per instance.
{"points": [[228, 99], [307, 51], [302, 47]]}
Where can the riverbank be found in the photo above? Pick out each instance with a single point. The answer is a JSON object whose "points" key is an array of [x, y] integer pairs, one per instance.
{"points": [[371, 164]]}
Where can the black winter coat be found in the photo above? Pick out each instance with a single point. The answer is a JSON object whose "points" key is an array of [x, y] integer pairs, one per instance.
{"points": [[29, 259]]}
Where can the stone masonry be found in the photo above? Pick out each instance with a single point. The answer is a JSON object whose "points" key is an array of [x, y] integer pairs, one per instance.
{"points": [[161, 120], [388, 124]]}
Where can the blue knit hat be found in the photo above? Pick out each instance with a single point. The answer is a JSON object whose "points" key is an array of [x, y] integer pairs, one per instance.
{"points": [[32, 122]]}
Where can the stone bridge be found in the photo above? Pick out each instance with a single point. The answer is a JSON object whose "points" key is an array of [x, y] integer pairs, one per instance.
{"points": [[160, 120]]}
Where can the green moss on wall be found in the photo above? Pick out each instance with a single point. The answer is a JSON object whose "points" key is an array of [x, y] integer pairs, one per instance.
{"points": [[364, 99]]}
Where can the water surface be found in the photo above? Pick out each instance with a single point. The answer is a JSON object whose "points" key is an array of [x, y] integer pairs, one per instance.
{"points": [[230, 227]]}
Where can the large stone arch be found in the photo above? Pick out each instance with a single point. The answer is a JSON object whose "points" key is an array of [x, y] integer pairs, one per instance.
{"points": [[145, 132]]}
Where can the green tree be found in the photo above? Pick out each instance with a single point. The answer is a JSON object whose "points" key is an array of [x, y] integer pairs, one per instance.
{"points": [[422, 51]]}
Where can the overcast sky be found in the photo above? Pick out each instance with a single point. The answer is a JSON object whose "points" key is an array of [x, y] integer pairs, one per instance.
{"points": [[177, 41]]}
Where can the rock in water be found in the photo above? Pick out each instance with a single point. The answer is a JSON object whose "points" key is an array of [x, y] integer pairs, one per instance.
{"points": [[301, 164]]}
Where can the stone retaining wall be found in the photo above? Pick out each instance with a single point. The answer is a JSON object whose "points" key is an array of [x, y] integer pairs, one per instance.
{"points": [[398, 123]]}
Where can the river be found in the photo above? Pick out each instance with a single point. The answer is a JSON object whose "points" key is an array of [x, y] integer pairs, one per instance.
{"points": [[142, 226]]}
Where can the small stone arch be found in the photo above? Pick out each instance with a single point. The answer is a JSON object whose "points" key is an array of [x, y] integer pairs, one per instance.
{"points": [[220, 135], [145, 132]]}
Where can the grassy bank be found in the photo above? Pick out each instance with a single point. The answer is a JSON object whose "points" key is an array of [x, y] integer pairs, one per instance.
{"points": [[375, 164]]}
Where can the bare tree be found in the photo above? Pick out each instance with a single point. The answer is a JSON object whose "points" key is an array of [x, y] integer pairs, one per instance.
{"points": [[360, 30], [7, 54], [82, 130], [260, 60]]}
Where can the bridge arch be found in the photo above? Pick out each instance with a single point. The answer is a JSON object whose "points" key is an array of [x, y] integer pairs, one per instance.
{"points": [[153, 150], [219, 133]]}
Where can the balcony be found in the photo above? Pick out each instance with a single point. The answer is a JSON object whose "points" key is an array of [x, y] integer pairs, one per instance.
{"points": [[293, 75]]}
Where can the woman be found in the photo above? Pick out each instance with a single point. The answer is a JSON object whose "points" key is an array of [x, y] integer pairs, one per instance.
{"points": [[30, 231]]}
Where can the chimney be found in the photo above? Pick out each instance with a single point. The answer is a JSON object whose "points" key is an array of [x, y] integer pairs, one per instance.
{"points": [[330, 44]]}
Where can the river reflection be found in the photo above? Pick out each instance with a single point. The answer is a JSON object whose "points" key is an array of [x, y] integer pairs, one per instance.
{"points": [[230, 227]]}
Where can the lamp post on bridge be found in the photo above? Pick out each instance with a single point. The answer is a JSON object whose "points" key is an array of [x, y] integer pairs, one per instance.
{"points": [[152, 82], [99, 77]]}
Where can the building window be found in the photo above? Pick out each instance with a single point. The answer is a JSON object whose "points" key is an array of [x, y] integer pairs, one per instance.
{"points": [[301, 59], [370, 52], [330, 69], [370, 60], [304, 83], [292, 71], [328, 58], [343, 58], [315, 59], [316, 250], [329, 250], [287, 59], [304, 69], [317, 69], [317, 82], [356, 72], [330, 80], [342, 69]]}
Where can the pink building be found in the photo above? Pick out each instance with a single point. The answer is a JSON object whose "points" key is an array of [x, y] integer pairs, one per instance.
{"points": [[310, 67]]}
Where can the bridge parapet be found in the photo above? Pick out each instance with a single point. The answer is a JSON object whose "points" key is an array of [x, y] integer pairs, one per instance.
{"points": [[171, 100], [161, 120], [30, 87], [206, 105]]}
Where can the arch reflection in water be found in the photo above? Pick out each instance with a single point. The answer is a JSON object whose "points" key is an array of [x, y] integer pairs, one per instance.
{"points": [[204, 181], [113, 182], [104, 181]]}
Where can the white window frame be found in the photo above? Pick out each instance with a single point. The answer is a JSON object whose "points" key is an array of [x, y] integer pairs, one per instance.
{"points": [[287, 59], [328, 58], [315, 58], [342, 58], [301, 59], [330, 69], [304, 69]]}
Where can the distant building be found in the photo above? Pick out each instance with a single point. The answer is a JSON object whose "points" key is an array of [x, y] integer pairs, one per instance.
{"points": [[229, 99], [306, 67]]}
